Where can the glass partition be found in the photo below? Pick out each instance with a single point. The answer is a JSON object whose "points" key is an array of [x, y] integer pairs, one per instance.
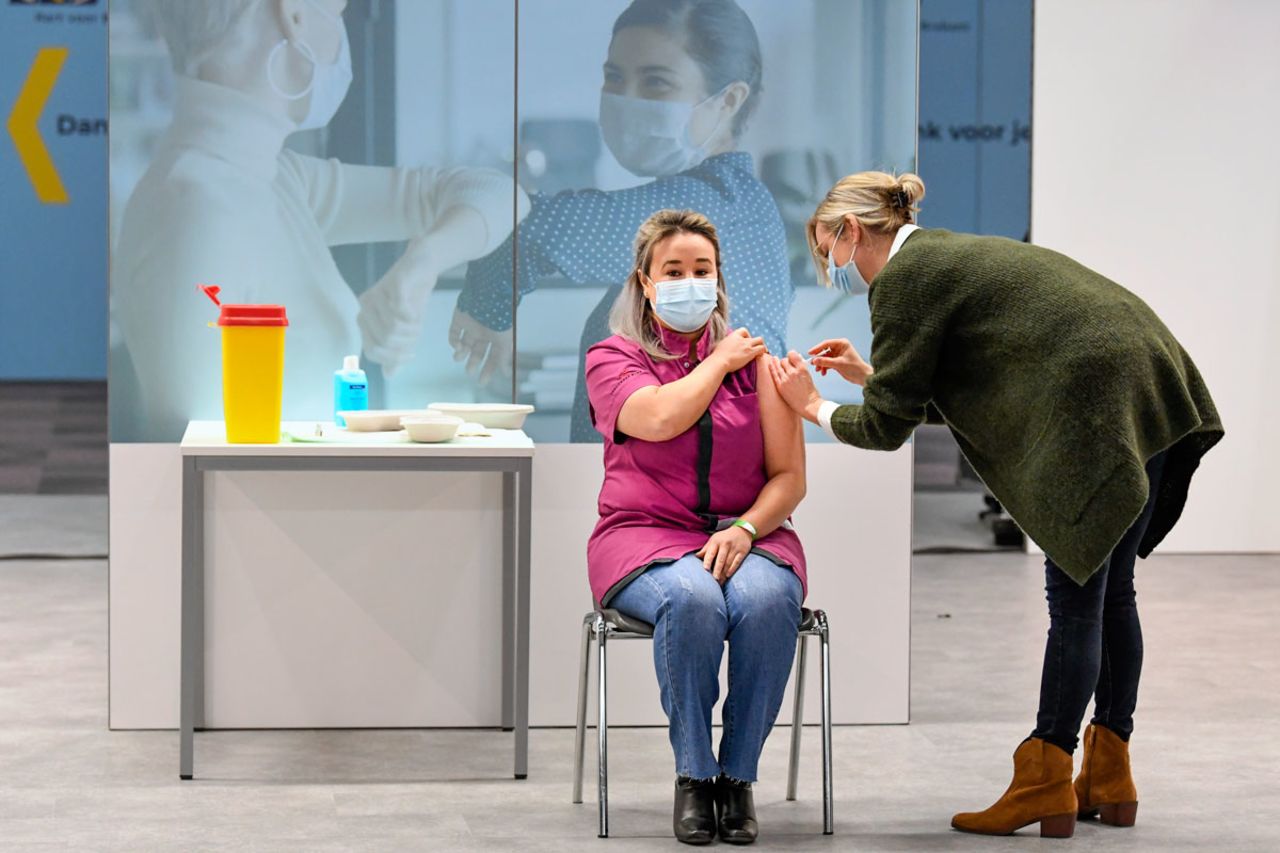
{"points": [[381, 212], [344, 159], [747, 112]]}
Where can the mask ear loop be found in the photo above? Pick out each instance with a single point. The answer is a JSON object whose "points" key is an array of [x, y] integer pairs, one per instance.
{"points": [[719, 121], [641, 275], [836, 241], [307, 54], [831, 257]]}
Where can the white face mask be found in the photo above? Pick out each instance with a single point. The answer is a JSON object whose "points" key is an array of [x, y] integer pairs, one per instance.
{"points": [[651, 138], [329, 82], [686, 305]]}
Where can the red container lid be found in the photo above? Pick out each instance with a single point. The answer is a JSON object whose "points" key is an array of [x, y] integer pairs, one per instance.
{"points": [[252, 315], [244, 315]]}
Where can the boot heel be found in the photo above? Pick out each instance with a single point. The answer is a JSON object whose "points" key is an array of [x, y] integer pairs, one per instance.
{"points": [[1058, 826], [1119, 814]]}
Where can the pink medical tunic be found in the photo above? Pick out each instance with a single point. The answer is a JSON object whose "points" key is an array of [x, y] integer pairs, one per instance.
{"points": [[662, 500]]}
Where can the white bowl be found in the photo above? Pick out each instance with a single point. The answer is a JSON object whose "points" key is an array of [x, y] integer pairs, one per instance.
{"points": [[431, 428], [378, 420], [492, 415]]}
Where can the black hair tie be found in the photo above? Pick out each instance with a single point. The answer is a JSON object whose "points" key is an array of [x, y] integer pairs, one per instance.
{"points": [[899, 199]]}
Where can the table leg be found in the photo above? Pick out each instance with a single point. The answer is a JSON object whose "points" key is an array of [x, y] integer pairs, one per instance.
{"points": [[523, 557], [510, 523], [192, 643]]}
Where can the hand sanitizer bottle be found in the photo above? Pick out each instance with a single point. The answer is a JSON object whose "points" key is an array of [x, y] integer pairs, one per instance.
{"points": [[350, 389]]}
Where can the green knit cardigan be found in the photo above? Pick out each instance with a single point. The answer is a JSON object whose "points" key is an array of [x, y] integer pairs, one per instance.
{"points": [[1057, 383]]}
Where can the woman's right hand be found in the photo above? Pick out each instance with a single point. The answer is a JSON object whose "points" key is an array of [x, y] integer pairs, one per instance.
{"points": [[839, 355], [393, 310], [737, 350]]}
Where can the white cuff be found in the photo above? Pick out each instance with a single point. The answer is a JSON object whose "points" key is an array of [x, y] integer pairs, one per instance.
{"points": [[825, 411]]}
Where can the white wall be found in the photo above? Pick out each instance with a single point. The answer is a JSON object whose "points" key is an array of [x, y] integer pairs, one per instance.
{"points": [[373, 599], [1154, 162]]}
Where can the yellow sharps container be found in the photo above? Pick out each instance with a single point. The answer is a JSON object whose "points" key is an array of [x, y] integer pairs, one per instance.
{"points": [[252, 369]]}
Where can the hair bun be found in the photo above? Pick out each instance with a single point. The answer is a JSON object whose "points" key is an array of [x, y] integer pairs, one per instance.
{"points": [[911, 188]]}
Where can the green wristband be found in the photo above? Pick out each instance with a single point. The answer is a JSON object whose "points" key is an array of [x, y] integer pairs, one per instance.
{"points": [[747, 526]]}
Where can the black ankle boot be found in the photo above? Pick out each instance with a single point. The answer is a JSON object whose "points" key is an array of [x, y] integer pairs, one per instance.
{"points": [[737, 811], [694, 820]]}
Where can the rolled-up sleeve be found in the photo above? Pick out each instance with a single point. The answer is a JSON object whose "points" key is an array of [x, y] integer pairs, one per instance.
{"points": [[366, 204], [615, 371]]}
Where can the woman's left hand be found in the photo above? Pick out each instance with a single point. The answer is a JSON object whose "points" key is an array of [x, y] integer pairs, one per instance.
{"points": [[724, 552], [795, 385], [486, 351]]}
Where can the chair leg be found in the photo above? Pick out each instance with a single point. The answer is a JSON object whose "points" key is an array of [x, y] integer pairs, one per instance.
{"points": [[603, 727], [828, 818], [580, 736], [797, 717]]}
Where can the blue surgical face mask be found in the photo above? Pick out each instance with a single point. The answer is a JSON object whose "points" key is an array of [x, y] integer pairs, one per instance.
{"points": [[686, 305], [329, 81], [845, 281]]}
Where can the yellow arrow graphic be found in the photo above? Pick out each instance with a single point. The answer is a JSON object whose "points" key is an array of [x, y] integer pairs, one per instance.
{"points": [[22, 125]]}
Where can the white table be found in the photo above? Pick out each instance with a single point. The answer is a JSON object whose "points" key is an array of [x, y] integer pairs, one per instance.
{"points": [[205, 448]]}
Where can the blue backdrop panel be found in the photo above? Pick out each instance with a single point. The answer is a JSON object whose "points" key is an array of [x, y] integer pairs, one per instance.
{"points": [[975, 115], [53, 180]]}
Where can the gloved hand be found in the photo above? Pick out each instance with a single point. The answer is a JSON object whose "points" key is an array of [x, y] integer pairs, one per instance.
{"points": [[487, 351], [393, 310]]}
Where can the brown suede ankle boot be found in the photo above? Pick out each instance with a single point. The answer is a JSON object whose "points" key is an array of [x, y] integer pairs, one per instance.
{"points": [[1105, 786], [1040, 792]]}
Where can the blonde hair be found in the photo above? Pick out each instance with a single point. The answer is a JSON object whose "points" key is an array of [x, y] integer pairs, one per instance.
{"points": [[192, 31], [882, 203], [632, 315]]}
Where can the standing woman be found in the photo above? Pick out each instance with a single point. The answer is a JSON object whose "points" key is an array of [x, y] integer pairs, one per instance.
{"points": [[1077, 407]]}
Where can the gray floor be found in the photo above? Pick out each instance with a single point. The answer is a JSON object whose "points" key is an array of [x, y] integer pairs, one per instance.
{"points": [[53, 438], [51, 526], [948, 521], [948, 498], [1206, 750]]}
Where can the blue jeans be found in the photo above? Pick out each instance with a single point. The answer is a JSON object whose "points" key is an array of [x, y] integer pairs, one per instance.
{"points": [[1094, 648], [758, 612]]}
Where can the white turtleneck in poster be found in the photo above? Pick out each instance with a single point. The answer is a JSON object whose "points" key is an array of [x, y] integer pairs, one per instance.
{"points": [[224, 203]]}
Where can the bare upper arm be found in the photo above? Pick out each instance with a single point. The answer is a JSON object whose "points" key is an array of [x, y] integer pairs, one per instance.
{"points": [[782, 428], [641, 416]]}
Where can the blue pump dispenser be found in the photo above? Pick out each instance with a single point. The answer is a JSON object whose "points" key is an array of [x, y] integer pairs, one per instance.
{"points": [[350, 389]]}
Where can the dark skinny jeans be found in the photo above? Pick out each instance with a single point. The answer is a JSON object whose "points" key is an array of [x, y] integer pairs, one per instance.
{"points": [[1095, 640]]}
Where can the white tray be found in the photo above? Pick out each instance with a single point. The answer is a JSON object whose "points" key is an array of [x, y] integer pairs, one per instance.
{"points": [[378, 420], [493, 415]]}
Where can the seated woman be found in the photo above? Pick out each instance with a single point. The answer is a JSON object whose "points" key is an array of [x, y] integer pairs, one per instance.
{"points": [[704, 464]]}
